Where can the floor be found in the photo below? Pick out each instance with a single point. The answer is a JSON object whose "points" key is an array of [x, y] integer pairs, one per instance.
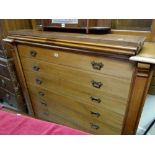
{"points": [[148, 115]]}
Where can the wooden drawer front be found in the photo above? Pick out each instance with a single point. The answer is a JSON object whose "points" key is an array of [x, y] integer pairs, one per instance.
{"points": [[8, 98], [96, 64], [6, 84], [63, 106], [49, 73], [79, 92]]}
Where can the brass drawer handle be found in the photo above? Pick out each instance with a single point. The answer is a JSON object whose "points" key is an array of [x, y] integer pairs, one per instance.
{"points": [[41, 93], [94, 126], [96, 99], [43, 103], [97, 114], [33, 53], [96, 84], [39, 81], [36, 68], [3, 84], [97, 65]]}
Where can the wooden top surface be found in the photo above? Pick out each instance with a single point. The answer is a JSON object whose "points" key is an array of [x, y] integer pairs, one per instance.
{"points": [[147, 54], [109, 43]]}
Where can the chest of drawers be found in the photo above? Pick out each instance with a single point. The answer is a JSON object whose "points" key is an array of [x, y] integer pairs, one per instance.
{"points": [[93, 90], [79, 86]]}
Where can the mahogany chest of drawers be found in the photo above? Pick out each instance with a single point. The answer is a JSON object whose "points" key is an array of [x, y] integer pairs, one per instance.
{"points": [[86, 84]]}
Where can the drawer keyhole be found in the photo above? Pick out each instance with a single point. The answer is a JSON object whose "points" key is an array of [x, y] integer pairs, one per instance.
{"points": [[96, 84], [97, 114], [33, 53], [43, 103], [39, 81], [94, 126], [97, 65], [36, 68], [95, 99], [41, 94]]}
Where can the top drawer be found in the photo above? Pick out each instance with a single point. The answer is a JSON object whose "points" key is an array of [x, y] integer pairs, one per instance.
{"points": [[96, 64]]}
